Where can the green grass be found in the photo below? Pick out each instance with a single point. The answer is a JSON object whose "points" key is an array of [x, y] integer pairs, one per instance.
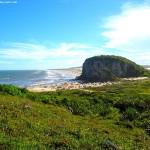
{"points": [[117, 114]]}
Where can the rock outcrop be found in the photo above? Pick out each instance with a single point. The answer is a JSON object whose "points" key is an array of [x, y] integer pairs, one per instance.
{"points": [[109, 68]]}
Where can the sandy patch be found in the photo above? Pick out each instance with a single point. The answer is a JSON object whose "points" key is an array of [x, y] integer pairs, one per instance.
{"points": [[76, 85]]}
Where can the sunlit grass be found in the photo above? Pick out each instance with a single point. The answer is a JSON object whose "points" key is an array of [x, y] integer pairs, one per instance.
{"points": [[76, 119]]}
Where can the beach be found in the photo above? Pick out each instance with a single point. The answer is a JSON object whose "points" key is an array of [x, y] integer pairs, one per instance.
{"points": [[67, 86], [75, 84], [69, 83]]}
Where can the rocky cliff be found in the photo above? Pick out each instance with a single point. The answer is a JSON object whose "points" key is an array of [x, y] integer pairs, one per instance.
{"points": [[109, 68]]}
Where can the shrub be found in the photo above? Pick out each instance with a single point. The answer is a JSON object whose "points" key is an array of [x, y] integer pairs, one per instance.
{"points": [[123, 105], [131, 113], [77, 107], [24, 90], [12, 90], [126, 124], [104, 110], [101, 109]]}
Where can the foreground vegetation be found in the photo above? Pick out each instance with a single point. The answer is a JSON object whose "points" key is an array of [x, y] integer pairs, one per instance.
{"points": [[109, 117]]}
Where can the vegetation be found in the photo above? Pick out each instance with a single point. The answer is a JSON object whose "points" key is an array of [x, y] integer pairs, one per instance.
{"points": [[109, 117], [134, 70]]}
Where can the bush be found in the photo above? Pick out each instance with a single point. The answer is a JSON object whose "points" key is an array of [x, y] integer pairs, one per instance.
{"points": [[131, 113], [45, 99], [123, 105], [12, 90], [104, 110], [77, 107], [126, 124]]}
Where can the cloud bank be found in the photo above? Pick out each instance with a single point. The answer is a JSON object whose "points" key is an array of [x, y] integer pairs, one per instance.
{"points": [[129, 31], [42, 56]]}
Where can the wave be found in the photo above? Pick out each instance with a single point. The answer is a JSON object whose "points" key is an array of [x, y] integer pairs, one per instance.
{"points": [[4, 78], [37, 71], [59, 74], [36, 77]]}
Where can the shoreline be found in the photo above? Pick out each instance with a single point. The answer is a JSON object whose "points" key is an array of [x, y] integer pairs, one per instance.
{"points": [[76, 85]]}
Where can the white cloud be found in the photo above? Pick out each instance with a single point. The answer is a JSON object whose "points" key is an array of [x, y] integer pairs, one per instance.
{"points": [[143, 58], [130, 30], [40, 52], [62, 55]]}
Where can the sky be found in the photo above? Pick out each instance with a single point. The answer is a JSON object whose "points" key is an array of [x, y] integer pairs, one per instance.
{"points": [[50, 34]]}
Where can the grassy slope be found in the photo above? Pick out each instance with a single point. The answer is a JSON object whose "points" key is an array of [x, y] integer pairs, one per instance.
{"points": [[27, 124]]}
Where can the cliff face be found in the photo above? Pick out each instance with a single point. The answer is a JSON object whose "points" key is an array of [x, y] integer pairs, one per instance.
{"points": [[109, 68]]}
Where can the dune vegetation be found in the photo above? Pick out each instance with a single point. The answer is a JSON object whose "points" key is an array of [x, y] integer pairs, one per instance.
{"points": [[109, 117]]}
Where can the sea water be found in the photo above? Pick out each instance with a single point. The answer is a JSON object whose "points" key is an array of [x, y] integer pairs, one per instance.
{"points": [[25, 78]]}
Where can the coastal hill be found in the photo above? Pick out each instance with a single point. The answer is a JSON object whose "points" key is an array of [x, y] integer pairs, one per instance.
{"points": [[110, 68]]}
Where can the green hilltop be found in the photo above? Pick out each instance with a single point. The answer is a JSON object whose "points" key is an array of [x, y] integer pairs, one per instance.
{"points": [[110, 68]]}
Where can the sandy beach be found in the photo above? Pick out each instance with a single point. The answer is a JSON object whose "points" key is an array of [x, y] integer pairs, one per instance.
{"points": [[74, 85], [67, 86]]}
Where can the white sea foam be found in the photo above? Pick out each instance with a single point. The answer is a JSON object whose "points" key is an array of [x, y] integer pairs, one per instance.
{"points": [[58, 74], [26, 78], [37, 71]]}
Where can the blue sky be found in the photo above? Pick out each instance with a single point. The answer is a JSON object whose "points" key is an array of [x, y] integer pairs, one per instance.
{"points": [[44, 34]]}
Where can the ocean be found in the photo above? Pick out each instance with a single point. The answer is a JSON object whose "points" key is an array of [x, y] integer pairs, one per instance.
{"points": [[25, 78]]}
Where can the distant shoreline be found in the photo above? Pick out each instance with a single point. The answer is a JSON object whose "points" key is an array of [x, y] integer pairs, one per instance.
{"points": [[76, 85], [47, 80], [73, 85], [27, 78]]}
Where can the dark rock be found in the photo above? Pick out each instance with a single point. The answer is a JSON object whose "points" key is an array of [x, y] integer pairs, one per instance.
{"points": [[109, 68]]}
